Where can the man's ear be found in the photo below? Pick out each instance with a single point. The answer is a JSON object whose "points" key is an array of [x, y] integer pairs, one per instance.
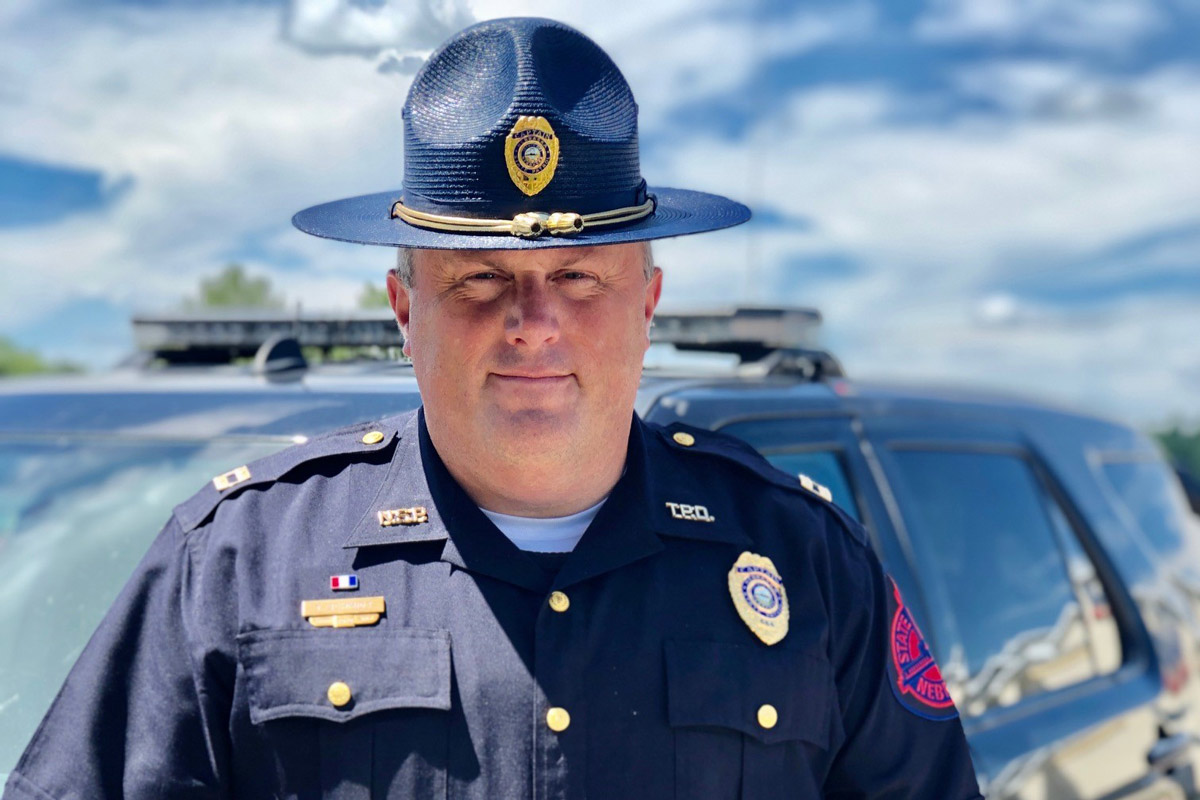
{"points": [[653, 293], [400, 300]]}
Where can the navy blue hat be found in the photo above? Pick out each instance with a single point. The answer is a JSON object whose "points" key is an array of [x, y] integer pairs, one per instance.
{"points": [[520, 133]]}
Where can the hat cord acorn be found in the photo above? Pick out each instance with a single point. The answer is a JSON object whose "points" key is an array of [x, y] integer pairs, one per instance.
{"points": [[528, 224]]}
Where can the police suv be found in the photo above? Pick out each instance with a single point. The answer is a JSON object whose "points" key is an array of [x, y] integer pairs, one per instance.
{"points": [[1048, 556]]}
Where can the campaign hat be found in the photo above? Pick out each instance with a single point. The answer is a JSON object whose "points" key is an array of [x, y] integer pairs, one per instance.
{"points": [[520, 133]]}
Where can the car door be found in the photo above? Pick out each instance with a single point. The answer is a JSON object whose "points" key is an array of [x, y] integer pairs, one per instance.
{"points": [[1039, 643]]}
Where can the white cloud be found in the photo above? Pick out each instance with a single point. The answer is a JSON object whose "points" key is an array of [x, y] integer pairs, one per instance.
{"points": [[940, 217], [675, 53], [398, 27], [1089, 24], [1053, 89], [221, 150]]}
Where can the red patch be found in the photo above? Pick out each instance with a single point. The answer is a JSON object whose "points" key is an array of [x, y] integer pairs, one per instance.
{"points": [[916, 679]]}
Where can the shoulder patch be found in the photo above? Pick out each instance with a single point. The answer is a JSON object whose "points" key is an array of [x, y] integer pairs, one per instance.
{"points": [[722, 445], [361, 438], [914, 675]]}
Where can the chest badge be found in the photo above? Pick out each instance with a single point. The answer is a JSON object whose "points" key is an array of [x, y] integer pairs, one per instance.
{"points": [[531, 152], [759, 597]]}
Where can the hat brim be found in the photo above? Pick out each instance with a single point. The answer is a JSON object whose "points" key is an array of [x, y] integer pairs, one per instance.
{"points": [[365, 220]]}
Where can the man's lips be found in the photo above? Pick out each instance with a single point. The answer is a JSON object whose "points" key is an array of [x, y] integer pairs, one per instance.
{"points": [[531, 377], [531, 381]]}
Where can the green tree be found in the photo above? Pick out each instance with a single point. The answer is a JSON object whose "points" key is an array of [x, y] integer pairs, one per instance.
{"points": [[1183, 446], [17, 361], [232, 287], [373, 296]]}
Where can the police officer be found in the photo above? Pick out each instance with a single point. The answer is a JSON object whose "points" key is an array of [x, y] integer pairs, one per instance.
{"points": [[521, 590]]}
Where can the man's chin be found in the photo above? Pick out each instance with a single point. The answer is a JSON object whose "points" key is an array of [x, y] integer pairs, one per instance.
{"points": [[533, 424]]}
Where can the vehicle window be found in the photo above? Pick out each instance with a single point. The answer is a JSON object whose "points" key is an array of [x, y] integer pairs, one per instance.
{"points": [[76, 515], [1016, 607], [824, 467], [1147, 494]]}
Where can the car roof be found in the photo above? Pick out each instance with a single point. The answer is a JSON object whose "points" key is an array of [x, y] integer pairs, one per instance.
{"points": [[232, 401]]}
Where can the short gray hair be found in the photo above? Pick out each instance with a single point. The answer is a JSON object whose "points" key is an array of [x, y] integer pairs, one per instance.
{"points": [[404, 264]]}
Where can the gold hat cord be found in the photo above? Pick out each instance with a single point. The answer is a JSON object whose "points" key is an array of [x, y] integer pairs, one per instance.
{"points": [[528, 225]]}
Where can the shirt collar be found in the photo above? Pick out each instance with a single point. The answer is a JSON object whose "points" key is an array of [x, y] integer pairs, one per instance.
{"points": [[626, 529]]}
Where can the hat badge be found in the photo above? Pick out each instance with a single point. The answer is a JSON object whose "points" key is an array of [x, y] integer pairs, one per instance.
{"points": [[531, 152]]}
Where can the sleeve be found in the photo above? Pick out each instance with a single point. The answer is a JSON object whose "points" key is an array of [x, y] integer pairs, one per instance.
{"points": [[903, 738], [140, 714]]}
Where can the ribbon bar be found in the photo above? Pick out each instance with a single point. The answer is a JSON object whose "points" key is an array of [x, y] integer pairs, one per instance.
{"points": [[527, 225]]}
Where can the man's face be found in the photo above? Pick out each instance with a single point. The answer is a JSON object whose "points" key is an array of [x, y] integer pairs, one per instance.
{"points": [[527, 353]]}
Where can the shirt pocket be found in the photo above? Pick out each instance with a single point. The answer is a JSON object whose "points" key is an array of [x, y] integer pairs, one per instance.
{"points": [[748, 720], [378, 701]]}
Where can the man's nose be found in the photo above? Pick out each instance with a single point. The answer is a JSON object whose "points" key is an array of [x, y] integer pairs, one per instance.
{"points": [[533, 317]]}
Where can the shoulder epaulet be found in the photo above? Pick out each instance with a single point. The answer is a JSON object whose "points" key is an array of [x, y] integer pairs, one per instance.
{"points": [[361, 438], [701, 440]]}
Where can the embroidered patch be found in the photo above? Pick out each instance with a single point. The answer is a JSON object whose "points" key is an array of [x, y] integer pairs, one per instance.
{"points": [[758, 596], [916, 680]]}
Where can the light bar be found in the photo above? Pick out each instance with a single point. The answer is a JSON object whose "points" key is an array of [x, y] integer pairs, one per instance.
{"points": [[743, 329], [216, 335], [219, 335]]}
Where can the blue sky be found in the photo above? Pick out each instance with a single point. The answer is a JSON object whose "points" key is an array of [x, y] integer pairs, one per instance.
{"points": [[996, 192]]}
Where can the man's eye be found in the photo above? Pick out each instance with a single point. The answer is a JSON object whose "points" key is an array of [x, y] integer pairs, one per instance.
{"points": [[575, 276], [483, 276]]}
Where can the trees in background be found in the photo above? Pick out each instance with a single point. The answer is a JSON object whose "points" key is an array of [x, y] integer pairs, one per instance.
{"points": [[373, 295], [1183, 446], [15, 360], [233, 288]]}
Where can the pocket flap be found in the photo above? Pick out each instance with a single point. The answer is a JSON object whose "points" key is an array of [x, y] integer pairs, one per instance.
{"points": [[715, 684], [289, 672]]}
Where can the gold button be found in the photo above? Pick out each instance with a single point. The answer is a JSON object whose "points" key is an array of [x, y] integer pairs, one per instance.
{"points": [[684, 438], [558, 719], [338, 694], [767, 715], [374, 437], [559, 601]]}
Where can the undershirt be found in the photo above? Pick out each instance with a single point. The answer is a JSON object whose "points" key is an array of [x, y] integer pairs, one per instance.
{"points": [[545, 534]]}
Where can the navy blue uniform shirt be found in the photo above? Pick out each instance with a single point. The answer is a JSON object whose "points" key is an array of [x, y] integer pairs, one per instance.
{"points": [[640, 680]]}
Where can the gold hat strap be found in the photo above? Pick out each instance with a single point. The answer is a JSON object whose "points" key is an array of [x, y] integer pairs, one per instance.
{"points": [[528, 225]]}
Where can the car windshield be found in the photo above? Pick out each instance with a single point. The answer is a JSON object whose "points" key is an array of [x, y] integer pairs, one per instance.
{"points": [[76, 515]]}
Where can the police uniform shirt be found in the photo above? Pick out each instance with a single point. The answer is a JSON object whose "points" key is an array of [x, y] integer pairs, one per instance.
{"points": [[627, 672]]}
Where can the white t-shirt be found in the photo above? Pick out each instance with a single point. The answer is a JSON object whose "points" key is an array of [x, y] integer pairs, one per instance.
{"points": [[545, 534]]}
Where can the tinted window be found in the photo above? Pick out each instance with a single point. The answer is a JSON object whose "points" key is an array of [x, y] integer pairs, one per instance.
{"points": [[1148, 496], [76, 515], [1011, 619], [824, 467]]}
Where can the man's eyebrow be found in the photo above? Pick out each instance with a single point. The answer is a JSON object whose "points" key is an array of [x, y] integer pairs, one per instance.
{"points": [[484, 259]]}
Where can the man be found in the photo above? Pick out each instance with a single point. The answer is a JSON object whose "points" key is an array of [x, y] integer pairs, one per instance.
{"points": [[552, 599]]}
